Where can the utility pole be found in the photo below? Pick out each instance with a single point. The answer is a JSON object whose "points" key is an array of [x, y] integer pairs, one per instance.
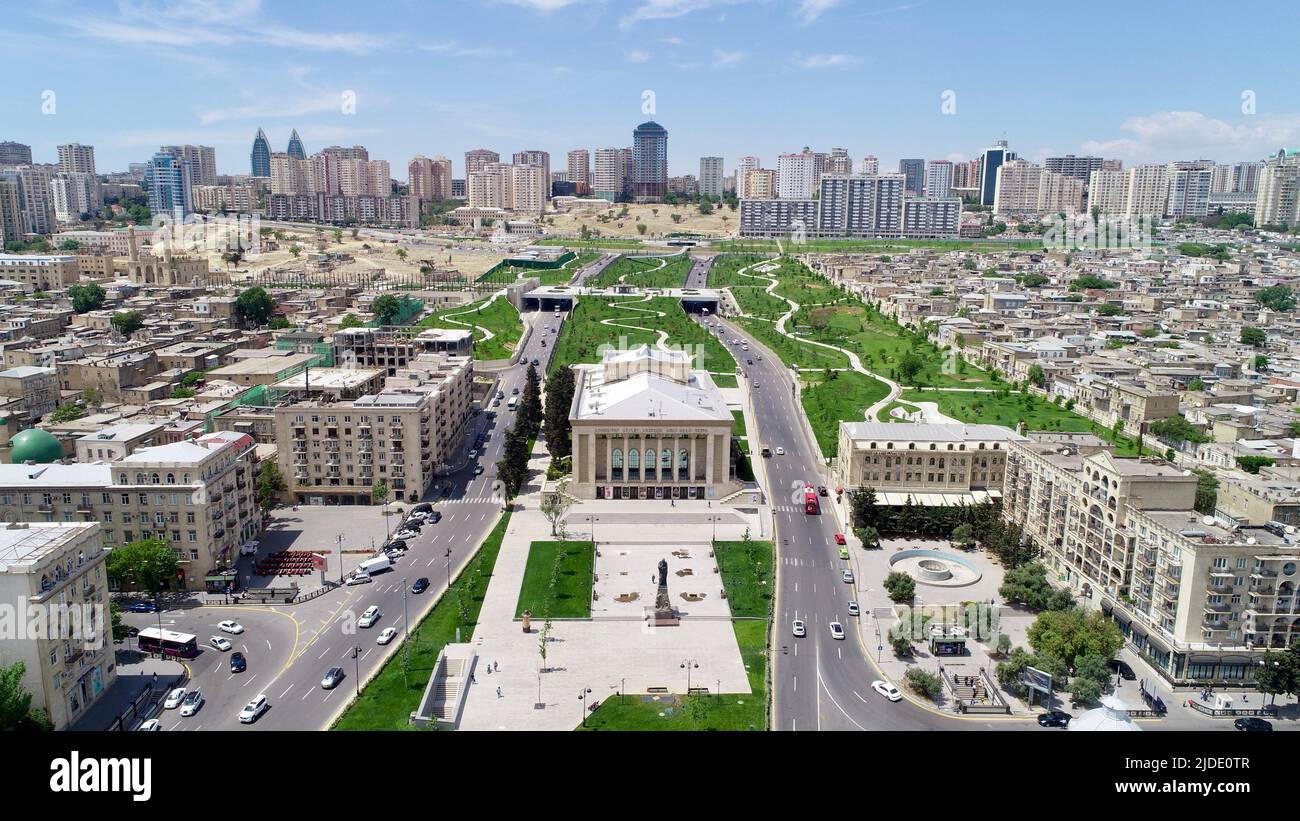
{"points": [[340, 541]]}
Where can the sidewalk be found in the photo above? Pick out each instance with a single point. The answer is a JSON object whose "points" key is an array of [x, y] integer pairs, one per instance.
{"points": [[135, 673]]}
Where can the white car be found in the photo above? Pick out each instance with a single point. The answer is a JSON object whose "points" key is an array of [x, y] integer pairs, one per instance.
{"points": [[473, 453], [254, 709], [847, 576], [854, 610], [248, 548], [780, 451], [192, 703], [405, 534], [889, 691], [359, 578], [387, 635], [798, 629], [218, 642], [417, 516], [150, 726], [837, 630], [232, 627], [369, 617], [174, 698]]}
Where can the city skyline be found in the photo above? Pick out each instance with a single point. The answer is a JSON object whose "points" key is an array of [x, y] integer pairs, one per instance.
{"points": [[729, 79]]}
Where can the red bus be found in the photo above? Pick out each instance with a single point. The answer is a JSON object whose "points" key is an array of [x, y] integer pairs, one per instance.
{"points": [[810, 505]]}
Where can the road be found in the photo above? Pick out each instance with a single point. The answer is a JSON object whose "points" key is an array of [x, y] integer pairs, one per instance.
{"points": [[699, 275], [290, 648]]}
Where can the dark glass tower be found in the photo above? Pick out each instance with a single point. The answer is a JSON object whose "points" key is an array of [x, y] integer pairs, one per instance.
{"points": [[650, 158], [261, 156], [914, 173], [295, 146]]}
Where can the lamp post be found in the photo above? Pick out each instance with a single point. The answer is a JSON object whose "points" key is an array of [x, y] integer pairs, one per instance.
{"points": [[582, 696], [448, 556], [688, 665], [356, 655]]}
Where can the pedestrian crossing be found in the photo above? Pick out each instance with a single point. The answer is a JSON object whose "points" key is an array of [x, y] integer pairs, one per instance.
{"points": [[474, 500]]}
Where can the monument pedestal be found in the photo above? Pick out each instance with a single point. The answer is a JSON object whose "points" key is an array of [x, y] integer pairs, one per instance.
{"points": [[663, 614]]}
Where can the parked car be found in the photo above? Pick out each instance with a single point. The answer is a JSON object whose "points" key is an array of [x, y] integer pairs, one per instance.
{"points": [[887, 690], [174, 698], [141, 607], [248, 548], [478, 470], [1250, 724], [253, 710], [473, 453], [422, 507], [797, 627], [1125, 672], [767, 451], [405, 534], [150, 726], [1054, 718], [359, 578], [231, 626], [396, 544], [238, 663], [417, 516], [421, 585], [332, 677], [435, 517], [192, 703], [369, 617], [221, 644]]}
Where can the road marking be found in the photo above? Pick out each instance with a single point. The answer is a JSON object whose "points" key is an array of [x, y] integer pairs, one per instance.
{"points": [[249, 680], [286, 691], [323, 654], [309, 692]]}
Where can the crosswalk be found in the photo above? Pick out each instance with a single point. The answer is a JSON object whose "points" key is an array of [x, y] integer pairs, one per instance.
{"points": [[474, 500]]}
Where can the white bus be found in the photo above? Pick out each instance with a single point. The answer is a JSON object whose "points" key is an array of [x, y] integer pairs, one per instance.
{"points": [[513, 403]]}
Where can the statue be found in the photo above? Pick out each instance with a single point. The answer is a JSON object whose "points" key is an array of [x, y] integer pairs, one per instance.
{"points": [[663, 574], [664, 614]]}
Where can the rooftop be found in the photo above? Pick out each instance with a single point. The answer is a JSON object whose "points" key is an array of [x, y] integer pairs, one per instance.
{"points": [[25, 544]]}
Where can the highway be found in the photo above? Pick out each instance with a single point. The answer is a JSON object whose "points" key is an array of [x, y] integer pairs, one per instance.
{"points": [[289, 648]]}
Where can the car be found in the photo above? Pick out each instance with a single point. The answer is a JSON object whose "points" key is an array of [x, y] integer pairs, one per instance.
{"points": [[417, 516], [435, 517], [478, 470], [153, 725], [1054, 718], [412, 524], [405, 534], [797, 627], [536, 362], [174, 698], [359, 578], [221, 644], [332, 677], [1250, 724], [369, 617], [386, 635], [839, 539], [421, 585], [780, 451], [496, 403], [749, 362], [142, 607], [837, 631], [854, 610], [543, 343], [887, 690], [422, 507], [253, 710], [473, 453], [514, 392], [844, 553], [394, 554], [396, 544], [755, 384], [238, 663], [501, 394], [847, 576], [192, 703], [767, 451], [248, 548], [230, 626], [1125, 672], [821, 490]]}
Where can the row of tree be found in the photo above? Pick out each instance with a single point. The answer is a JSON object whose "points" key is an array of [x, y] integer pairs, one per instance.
{"points": [[964, 525]]}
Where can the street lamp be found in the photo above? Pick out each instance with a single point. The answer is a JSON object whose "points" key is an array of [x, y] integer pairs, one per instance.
{"points": [[356, 654], [582, 696], [449, 568], [593, 520], [688, 665]]}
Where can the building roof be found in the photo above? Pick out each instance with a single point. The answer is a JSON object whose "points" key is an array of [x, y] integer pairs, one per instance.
{"points": [[74, 475], [35, 445], [27, 543], [650, 396], [929, 432]]}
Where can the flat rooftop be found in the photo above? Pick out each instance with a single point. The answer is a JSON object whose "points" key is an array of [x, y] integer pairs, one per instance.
{"points": [[27, 544]]}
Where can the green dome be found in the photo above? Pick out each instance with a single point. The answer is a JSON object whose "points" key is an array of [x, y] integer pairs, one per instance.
{"points": [[35, 445]]}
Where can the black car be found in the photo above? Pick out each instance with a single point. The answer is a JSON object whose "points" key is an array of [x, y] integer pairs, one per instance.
{"points": [[1253, 725], [413, 524], [1123, 669], [434, 517], [396, 544], [535, 362], [821, 490], [1054, 718], [422, 507], [421, 585], [237, 663]]}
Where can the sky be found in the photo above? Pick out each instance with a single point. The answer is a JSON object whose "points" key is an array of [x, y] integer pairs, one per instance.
{"points": [[1139, 81]]}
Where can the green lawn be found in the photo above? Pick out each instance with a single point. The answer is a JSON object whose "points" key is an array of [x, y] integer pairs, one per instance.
{"points": [[738, 423], [500, 317], [725, 380], [590, 244], [1013, 408], [790, 351], [744, 567], [842, 399], [582, 335], [645, 272], [883, 414], [389, 699], [571, 598], [566, 272]]}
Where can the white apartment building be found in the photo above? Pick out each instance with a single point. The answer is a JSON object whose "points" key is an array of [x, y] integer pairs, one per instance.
{"points": [[1147, 191], [747, 163], [528, 183], [75, 193], [1016, 190], [1059, 193], [795, 176], [1189, 191], [201, 159], [1107, 192], [938, 178], [291, 175], [364, 178], [608, 178], [75, 158], [711, 176], [870, 166], [214, 198], [1278, 200]]}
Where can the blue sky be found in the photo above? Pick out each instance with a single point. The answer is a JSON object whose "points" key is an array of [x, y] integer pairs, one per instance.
{"points": [[1142, 81]]}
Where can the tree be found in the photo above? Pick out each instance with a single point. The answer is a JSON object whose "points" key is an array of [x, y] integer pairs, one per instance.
{"points": [[16, 711], [963, 535], [295, 250], [254, 306], [1028, 585], [67, 412], [379, 493], [1276, 674], [641, 228], [1276, 297], [143, 565], [869, 536], [900, 587], [87, 296], [351, 321], [1207, 491], [909, 366], [554, 506], [1252, 464], [922, 682], [1261, 363], [401, 254], [1108, 309], [270, 484], [555, 424], [121, 631], [1070, 634], [1091, 282], [1253, 337], [1084, 690], [1177, 429], [1037, 377], [530, 404], [386, 308], [127, 322], [512, 469]]}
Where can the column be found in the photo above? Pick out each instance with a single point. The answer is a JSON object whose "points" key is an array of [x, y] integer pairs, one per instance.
{"points": [[590, 443], [708, 462], [609, 460], [693, 463]]}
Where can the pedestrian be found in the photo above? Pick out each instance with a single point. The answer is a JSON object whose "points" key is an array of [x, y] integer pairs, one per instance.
{"points": [[473, 679], [496, 665], [498, 692]]}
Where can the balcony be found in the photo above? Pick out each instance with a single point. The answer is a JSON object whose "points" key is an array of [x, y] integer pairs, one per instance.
{"points": [[1263, 573]]}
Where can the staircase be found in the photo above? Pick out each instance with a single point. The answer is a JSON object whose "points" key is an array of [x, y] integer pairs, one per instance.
{"points": [[444, 696]]}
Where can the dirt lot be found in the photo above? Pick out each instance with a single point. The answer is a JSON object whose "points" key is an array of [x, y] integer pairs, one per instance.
{"points": [[658, 220]]}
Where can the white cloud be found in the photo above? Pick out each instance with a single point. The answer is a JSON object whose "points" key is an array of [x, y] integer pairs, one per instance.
{"points": [[638, 56], [1165, 136], [544, 6], [823, 61], [453, 49], [669, 9], [672, 41], [723, 59], [810, 10]]}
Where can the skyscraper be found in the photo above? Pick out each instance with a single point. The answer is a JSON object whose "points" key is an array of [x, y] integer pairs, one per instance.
{"points": [[295, 146], [538, 159], [650, 159], [579, 167], [938, 178], [168, 185], [261, 155], [993, 159], [1277, 201], [202, 160], [711, 176], [607, 181], [77, 158], [747, 163], [913, 172], [795, 176], [476, 159], [1080, 168], [12, 153], [870, 166]]}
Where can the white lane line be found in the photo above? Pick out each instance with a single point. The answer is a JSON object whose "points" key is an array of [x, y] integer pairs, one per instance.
{"points": [[309, 692], [249, 680], [286, 691], [323, 654], [268, 644]]}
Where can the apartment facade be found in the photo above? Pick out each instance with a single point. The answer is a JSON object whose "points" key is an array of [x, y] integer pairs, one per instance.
{"points": [[1278, 199], [711, 176], [1146, 191], [39, 273], [1107, 192], [932, 464]]}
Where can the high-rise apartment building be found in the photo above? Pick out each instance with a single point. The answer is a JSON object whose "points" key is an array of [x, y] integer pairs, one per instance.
{"points": [[295, 148], [650, 158], [75, 158], [938, 178], [1107, 192], [1147, 191], [429, 180], [711, 176], [627, 158], [870, 166], [839, 162], [795, 174], [1080, 168], [856, 206], [476, 158], [11, 212], [260, 158], [579, 167], [1016, 187], [760, 184], [529, 183], [607, 176], [1278, 200], [542, 160], [1189, 190], [12, 153], [1059, 193], [747, 163], [1245, 177], [291, 175], [75, 193], [201, 159], [992, 160], [168, 185], [34, 185], [913, 172]]}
